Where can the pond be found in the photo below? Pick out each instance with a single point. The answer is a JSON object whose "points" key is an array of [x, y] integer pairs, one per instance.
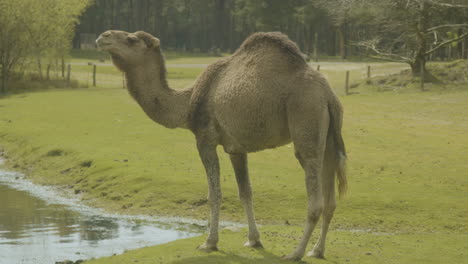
{"points": [[38, 226]]}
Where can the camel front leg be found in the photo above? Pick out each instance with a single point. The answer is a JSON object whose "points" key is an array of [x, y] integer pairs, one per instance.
{"points": [[210, 161], [239, 163]]}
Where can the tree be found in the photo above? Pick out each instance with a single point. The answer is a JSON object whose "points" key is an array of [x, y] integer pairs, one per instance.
{"points": [[40, 29], [410, 30], [13, 44], [318, 26], [51, 26], [340, 12], [204, 24]]}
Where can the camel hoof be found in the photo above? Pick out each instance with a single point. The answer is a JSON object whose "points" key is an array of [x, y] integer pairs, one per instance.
{"points": [[292, 257], [207, 248], [316, 254], [253, 244]]}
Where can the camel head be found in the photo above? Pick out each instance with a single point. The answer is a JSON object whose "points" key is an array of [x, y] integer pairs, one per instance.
{"points": [[127, 49]]}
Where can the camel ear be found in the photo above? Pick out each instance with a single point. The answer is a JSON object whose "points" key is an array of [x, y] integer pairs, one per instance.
{"points": [[150, 41]]}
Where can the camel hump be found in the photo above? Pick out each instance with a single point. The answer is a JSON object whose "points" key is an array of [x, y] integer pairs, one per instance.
{"points": [[278, 39]]}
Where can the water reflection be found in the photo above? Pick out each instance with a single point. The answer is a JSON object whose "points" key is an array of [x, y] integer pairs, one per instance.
{"points": [[35, 231]]}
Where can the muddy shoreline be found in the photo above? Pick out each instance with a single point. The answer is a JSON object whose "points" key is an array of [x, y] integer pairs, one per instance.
{"points": [[43, 224]]}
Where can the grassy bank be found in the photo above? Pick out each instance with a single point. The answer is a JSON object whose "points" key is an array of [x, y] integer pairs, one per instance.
{"points": [[407, 173], [343, 247]]}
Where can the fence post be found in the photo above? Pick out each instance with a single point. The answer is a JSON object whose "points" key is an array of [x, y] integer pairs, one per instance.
{"points": [[68, 75], [123, 81], [318, 67], [368, 72], [347, 83], [94, 75]]}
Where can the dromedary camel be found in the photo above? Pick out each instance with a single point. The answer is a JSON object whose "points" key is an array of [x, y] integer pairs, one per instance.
{"points": [[262, 96]]}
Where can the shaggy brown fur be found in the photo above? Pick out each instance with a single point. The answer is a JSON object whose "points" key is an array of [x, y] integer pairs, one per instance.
{"points": [[263, 96], [200, 90], [278, 39]]}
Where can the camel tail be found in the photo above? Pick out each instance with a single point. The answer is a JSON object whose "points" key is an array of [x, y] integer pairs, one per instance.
{"points": [[336, 121]]}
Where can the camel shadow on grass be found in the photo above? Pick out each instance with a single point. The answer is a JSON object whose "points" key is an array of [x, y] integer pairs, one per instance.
{"points": [[229, 258]]}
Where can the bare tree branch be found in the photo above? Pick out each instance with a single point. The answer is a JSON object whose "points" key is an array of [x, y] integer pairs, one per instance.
{"points": [[436, 38], [383, 55], [446, 42], [388, 59], [429, 30], [447, 4]]}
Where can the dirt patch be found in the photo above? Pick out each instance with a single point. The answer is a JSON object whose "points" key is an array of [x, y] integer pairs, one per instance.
{"points": [[86, 164], [55, 153]]}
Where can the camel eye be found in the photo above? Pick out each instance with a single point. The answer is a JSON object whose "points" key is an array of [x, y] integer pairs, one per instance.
{"points": [[132, 39]]}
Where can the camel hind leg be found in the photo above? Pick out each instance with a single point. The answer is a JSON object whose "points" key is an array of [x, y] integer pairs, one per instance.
{"points": [[308, 124], [329, 202]]}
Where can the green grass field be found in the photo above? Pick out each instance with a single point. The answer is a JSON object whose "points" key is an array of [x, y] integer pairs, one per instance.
{"points": [[407, 167]]}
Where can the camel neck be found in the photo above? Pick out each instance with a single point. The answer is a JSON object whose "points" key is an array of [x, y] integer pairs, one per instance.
{"points": [[148, 86]]}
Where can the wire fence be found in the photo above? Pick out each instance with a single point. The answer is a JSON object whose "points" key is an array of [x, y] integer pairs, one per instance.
{"points": [[341, 75]]}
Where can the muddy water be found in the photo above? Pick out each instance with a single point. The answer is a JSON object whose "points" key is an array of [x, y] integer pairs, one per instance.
{"points": [[38, 226]]}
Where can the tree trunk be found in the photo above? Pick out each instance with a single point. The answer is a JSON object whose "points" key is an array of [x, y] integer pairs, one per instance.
{"points": [[418, 64], [63, 66], [315, 46], [130, 22], [112, 14], [221, 17], [39, 69], [231, 31], [341, 35], [48, 72], [463, 52], [5, 71], [4, 79]]}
